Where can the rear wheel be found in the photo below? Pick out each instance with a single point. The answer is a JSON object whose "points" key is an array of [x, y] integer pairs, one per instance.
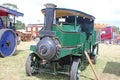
{"points": [[32, 64], [75, 69], [94, 54], [8, 42]]}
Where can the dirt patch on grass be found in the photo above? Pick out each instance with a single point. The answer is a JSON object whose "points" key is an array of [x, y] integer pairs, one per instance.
{"points": [[110, 55]]}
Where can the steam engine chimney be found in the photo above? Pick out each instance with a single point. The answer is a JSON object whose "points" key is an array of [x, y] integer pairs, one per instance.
{"points": [[49, 17]]}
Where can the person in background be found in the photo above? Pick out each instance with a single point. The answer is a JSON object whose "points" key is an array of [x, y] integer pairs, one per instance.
{"points": [[9, 24], [1, 23], [34, 36]]}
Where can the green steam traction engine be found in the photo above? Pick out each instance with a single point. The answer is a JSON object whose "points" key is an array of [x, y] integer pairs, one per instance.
{"points": [[66, 35]]}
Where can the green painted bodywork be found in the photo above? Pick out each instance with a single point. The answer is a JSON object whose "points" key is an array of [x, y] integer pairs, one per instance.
{"points": [[71, 51], [32, 48], [95, 37], [71, 36], [68, 35]]}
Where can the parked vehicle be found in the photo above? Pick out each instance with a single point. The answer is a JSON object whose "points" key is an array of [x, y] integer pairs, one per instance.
{"points": [[108, 34], [67, 33], [8, 36]]}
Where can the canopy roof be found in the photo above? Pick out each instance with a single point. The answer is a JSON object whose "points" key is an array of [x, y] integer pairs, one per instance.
{"points": [[5, 11], [70, 12]]}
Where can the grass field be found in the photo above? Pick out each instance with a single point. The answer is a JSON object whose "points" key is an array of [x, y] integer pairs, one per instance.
{"points": [[107, 67]]}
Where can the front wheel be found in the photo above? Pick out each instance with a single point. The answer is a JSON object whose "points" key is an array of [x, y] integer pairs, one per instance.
{"points": [[75, 69], [32, 64]]}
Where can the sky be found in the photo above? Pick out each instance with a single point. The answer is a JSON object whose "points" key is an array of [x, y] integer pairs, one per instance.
{"points": [[105, 11]]}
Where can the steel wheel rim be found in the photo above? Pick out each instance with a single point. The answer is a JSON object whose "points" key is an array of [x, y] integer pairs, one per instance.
{"points": [[95, 55], [32, 64], [7, 43], [78, 72], [75, 69]]}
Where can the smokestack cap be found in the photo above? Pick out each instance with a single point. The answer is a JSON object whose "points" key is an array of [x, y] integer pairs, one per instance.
{"points": [[50, 5]]}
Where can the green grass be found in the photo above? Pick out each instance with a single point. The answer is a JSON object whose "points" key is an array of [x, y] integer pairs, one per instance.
{"points": [[107, 67]]}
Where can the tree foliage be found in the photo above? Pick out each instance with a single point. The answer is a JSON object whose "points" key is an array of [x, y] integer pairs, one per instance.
{"points": [[117, 29], [19, 25], [10, 5]]}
